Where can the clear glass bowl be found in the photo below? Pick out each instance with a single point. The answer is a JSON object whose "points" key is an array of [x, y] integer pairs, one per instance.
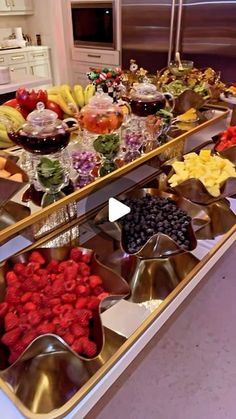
{"points": [[176, 71]]}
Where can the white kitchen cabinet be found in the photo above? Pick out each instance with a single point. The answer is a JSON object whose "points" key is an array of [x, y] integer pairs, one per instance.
{"points": [[40, 69], [16, 7], [84, 58], [5, 6], [20, 69]]}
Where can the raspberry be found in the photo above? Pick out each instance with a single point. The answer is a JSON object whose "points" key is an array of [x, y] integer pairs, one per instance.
{"points": [[28, 285], [76, 254], [94, 281], [55, 302], [67, 308], [93, 303], [84, 269], [13, 357], [81, 302], [12, 296], [29, 306], [86, 258], [9, 338], [83, 316], [26, 297], [57, 287], [28, 337], [82, 290], [103, 295], [70, 285], [29, 270], [52, 266], [46, 328], [78, 330], [68, 298], [36, 298], [98, 290], [34, 318], [18, 347], [62, 266], [37, 257], [11, 321], [68, 338], [71, 272], [57, 309], [77, 346], [11, 278], [3, 308], [89, 348], [46, 313], [18, 268], [61, 330]]}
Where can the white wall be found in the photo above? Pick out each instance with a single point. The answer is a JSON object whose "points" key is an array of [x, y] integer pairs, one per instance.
{"points": [[48, 21]]}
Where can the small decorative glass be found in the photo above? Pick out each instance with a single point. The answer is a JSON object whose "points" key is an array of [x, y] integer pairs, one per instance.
{"points": [[84, 162]]}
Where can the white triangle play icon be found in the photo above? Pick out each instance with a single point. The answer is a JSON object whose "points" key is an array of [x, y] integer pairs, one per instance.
{"points": [[116, 209]]}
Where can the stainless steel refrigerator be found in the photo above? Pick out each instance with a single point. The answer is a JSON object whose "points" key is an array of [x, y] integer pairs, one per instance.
{"points": [[202, 30]]}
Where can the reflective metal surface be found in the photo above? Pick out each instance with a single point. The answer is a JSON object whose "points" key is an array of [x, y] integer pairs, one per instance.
{"points": [[152, 279], [159, 245], [47, 376], [12, 212]]}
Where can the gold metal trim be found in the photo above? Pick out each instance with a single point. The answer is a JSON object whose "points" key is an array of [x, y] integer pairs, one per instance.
{"points": [[100, 182], [76, 399]]}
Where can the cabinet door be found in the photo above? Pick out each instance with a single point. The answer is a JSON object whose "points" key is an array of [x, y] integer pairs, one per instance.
{"points": [[20, 69], [5, 6], [40, 69], [22, 5]]}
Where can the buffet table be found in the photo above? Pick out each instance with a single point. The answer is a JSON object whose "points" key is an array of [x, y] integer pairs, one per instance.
{"points": [[123, 339]]}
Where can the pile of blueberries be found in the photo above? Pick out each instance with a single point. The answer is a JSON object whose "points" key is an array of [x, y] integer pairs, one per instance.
{"points": [[151, 215]]}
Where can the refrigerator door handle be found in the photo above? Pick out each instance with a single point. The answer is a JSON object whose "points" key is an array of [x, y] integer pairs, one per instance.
{"points": [[178, 30], [172, 19]]}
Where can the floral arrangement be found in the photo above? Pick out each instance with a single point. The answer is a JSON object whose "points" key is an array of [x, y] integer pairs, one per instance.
{"points": [[105, 76]]}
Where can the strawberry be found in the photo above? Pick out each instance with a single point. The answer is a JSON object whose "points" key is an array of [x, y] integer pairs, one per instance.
{"points": [[76, 254], [83, 316], [29, 306], [89, 347], [68, 298], [3, 308], [46, 328], [11, 321], [37, 257], [95, 280], [9, 338], [78, 330]]}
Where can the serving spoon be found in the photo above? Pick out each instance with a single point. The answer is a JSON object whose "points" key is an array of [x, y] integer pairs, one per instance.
{"points": [[177, 58]]}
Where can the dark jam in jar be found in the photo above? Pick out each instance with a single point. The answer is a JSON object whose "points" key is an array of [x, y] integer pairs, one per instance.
{"points": [[145, 108], [47, 144]]}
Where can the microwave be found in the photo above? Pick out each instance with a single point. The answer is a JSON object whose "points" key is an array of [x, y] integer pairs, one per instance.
{"points": [[93, 24]]}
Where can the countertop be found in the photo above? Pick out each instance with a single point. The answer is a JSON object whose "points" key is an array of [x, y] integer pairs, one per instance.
{"points": [[24, 49], [26, 80]]}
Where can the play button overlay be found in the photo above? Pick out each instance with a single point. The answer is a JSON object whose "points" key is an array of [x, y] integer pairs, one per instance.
{"points": [[116, 209]]}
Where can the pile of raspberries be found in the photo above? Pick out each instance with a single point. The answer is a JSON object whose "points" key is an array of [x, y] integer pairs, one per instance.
{"points": [[55, 297]]}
